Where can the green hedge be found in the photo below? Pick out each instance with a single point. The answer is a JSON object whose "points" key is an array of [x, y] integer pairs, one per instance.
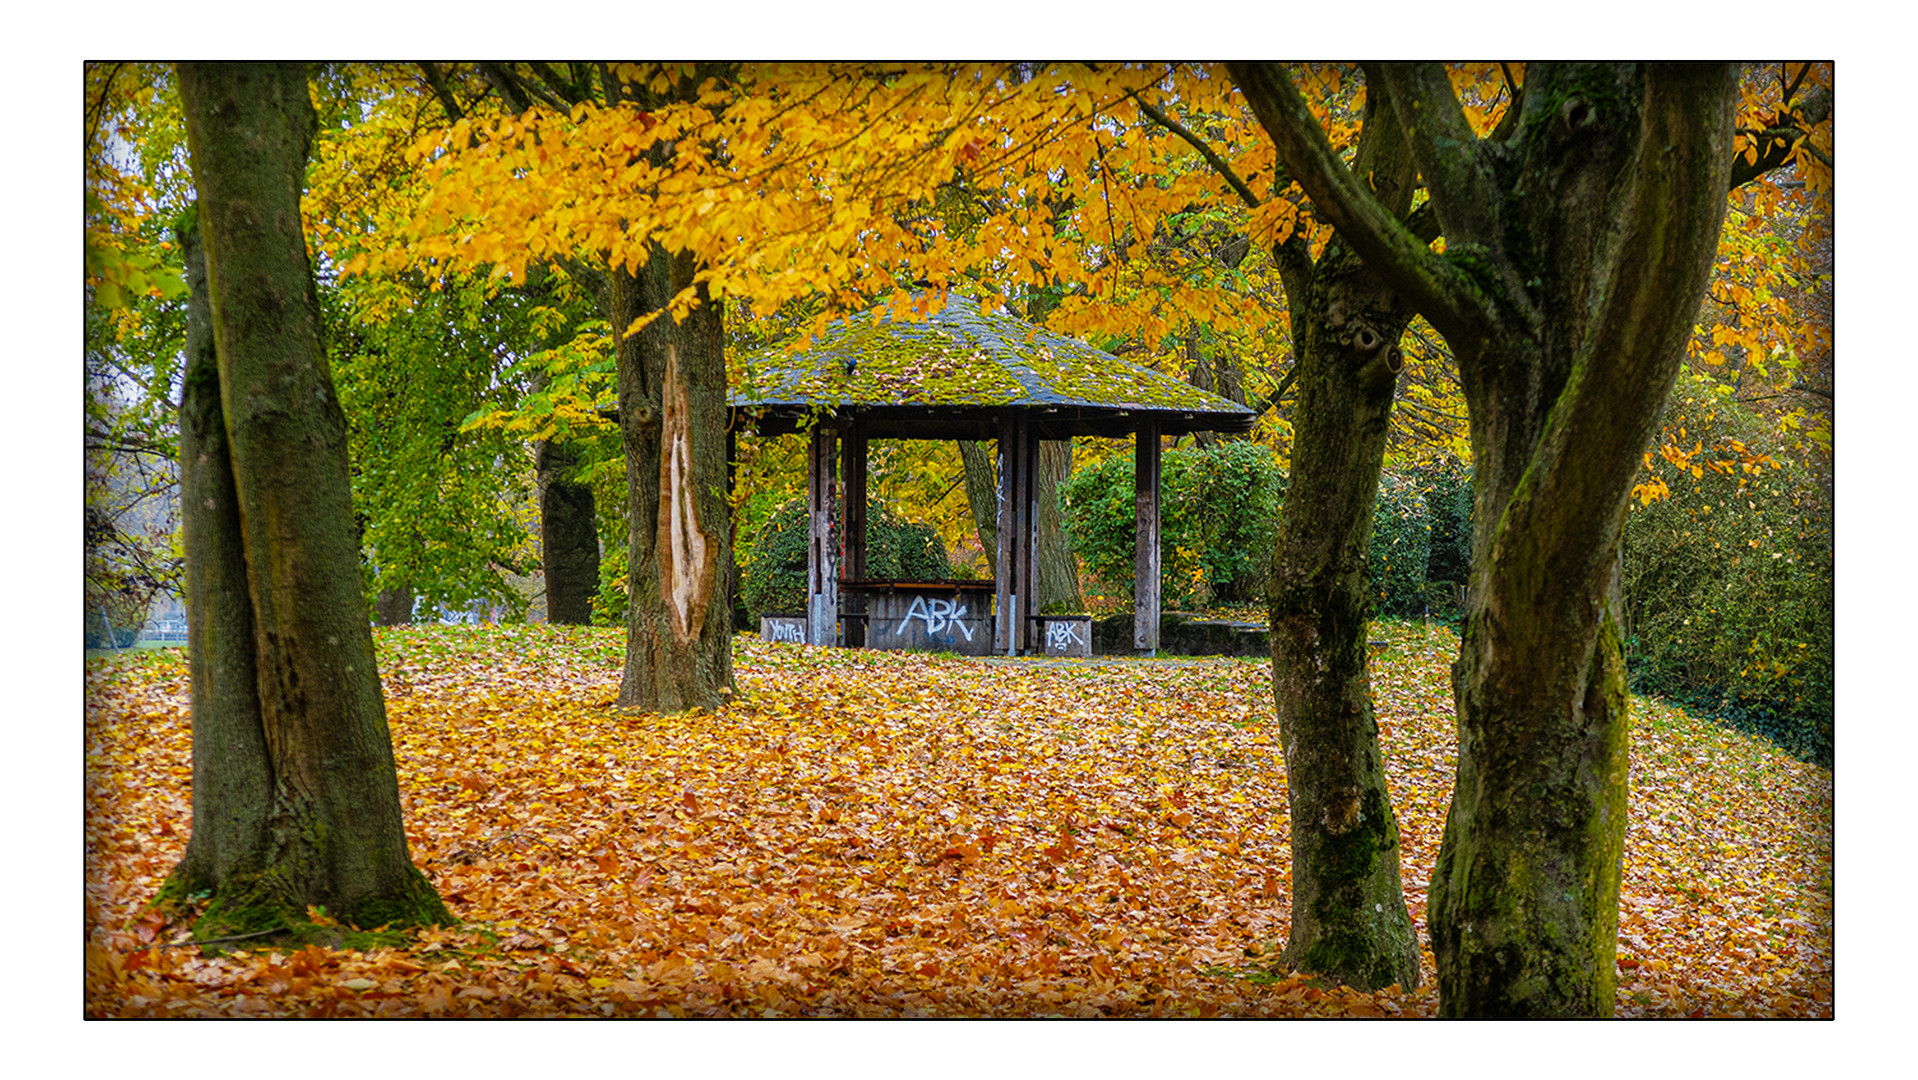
{"points": [[1395, 568], [1447, 485], [1728, 595], [1218, 516], [774, 582]]}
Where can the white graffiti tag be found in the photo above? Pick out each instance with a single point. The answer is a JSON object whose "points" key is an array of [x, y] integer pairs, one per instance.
{"points": [[1061, 635], [939, 614], [785, 630]]}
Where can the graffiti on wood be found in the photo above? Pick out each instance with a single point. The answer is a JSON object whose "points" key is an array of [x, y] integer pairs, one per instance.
{"points": [[1071, 636], [788, 630], [939, 613]]}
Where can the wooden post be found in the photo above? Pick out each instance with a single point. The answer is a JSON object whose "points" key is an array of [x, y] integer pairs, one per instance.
{"points": [[733, 580], [1145, 574], [852, 465], [1002, 593], [822, 562], [1014, 580], [1027, 635]]}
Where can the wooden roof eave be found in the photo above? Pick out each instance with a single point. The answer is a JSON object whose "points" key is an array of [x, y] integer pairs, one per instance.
{"points": [[981, 422]]}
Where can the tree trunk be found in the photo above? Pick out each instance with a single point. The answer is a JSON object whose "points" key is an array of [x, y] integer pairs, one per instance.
{"points": [[982, 496], [232, 777], [1349, 920], [330, 832], [1525, 896], [568, 536], [1058, 579], [394, 606], [672, 406], [1579, 241]]}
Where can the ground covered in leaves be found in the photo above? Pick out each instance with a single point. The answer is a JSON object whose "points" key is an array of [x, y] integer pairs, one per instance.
{"points": [[900, 834]]}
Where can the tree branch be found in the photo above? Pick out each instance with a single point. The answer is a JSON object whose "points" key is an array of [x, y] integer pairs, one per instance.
{"points": [[509, 88], [1788, 126], [1278, 392], [95, 110], [1437, 290], [1445, 147], [572, 92], [1211, 156], [437, 83], [1671, 228]]}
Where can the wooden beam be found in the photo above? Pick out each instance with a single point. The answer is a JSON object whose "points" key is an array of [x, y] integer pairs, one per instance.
{"points": [[822, 562], [1145, 573], [852, 466]]}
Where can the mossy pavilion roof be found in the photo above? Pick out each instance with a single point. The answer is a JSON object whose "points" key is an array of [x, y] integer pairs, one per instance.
{"points": [[953, 374]]}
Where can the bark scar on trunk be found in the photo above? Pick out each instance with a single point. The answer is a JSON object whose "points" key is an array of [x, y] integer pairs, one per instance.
{"points": [[685, 572]]}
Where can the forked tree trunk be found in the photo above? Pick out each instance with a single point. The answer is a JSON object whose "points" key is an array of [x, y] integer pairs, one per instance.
{"points": [[1579, 241], [329, 831], [672, 405], [1525, 896]]}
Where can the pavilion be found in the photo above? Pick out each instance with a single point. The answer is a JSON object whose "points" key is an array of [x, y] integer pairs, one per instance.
{"points": [[962, 373]]}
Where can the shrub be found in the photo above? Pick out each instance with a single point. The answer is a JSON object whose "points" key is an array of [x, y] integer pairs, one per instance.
{"points": [[1728, 585], [1395, 567], [775, 578], [1237, 486], [1447, 486], [1218, 514]]}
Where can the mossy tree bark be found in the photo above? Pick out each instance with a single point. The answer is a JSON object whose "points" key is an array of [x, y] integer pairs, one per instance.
{"points": [[297, 788], [1579, 239], [1349, 920], [232, 774], [1350, 925]]}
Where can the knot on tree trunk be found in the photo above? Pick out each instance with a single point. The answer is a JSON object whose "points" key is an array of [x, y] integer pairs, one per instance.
{"points": [[1575, 114], [1342, 813], [1375, 355]]}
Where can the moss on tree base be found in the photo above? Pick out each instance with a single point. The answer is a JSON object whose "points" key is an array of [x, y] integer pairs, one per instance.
{"points": [[262, 908]]}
